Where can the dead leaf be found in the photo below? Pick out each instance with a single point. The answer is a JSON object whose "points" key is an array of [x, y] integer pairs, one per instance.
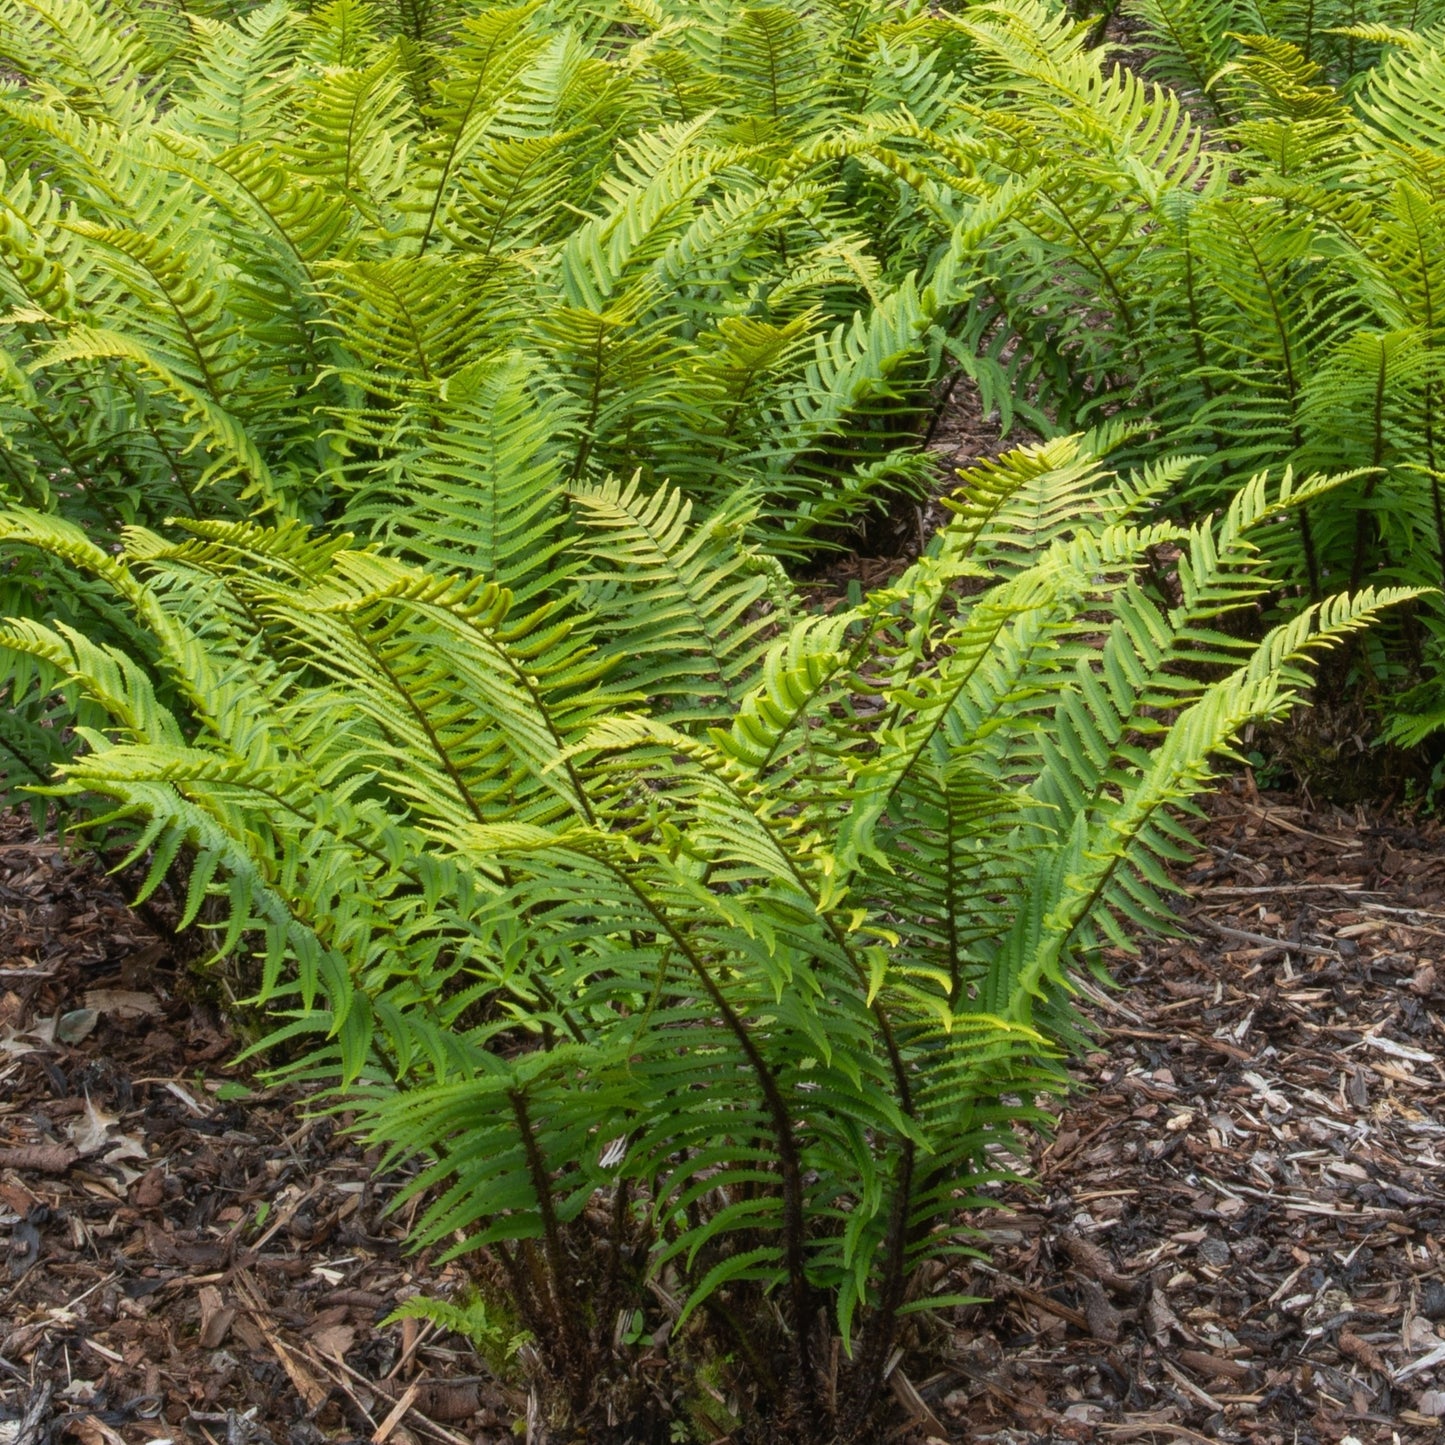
{"points": [[14, 1044], [91, 1134], [334, 1340], [216, 1318], [1432, 1403], [41, 1033], [1162, 1319]]}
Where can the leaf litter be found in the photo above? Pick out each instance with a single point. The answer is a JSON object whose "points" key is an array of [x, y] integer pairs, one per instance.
{"points": [[1237, 1231]]}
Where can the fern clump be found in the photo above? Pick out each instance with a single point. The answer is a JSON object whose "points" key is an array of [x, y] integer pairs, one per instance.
{"points": [[408, 417], [301, 263], [707, 952], [1244, 264]]}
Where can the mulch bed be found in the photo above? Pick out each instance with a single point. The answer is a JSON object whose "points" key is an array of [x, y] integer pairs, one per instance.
{"points": [[1238, 1232], [1236, 1235]]}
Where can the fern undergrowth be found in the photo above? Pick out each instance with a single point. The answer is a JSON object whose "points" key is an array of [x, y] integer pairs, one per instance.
{"points": [[412, 420]]}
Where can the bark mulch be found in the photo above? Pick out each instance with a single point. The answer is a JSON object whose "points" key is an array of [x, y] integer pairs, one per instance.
{"points": [[1239, 1232], [1236, 1232]]}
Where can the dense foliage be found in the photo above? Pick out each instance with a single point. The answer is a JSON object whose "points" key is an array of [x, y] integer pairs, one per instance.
{"points": [[378, 268], [712, 944], [409, 415], [304, 262], [1266, 290]]}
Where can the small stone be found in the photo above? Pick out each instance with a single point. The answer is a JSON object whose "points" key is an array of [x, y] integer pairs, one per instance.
{"points": [[1215, 1253], [1432, 1300], [78, 1024], [1432, 1403]]}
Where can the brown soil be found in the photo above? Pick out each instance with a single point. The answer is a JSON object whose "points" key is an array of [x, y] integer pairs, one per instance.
{"points": [[1237, 1234]]}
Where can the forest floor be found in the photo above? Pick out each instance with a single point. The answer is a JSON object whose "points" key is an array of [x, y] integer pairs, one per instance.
{"points": [[1236, 1234]]}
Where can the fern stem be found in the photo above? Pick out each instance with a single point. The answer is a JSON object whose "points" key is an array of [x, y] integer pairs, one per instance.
{"points": [[1439, 509], [882, 1326], [562, 1317], [177, 471], [523, 1288], [464, 793], [621, 1202], [745, 1334], [453, 148], [789, 1159], [594, 406], [1364, 519]]}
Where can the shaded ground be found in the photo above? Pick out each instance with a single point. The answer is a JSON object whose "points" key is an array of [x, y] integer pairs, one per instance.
{"points": [[1237, 1236], [890, 541]]}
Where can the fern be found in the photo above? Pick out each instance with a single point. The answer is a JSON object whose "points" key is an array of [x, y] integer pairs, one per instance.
{"points": [[1264, 298], [660, 901], [287, 258], [406, 415]]}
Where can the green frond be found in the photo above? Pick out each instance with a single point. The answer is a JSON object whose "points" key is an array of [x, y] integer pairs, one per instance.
{"points": [[213, 428], [83, 53], [478, 483], [235, 93], [682, 602]]}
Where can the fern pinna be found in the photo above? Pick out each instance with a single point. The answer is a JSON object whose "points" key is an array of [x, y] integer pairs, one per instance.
{"points": [[705, 950]]}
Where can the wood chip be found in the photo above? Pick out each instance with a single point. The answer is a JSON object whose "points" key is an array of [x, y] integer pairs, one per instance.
{"points": [[906, 1393], [123, 1003], [313, 1393], [397, 1414], [216, 1317], [1218, 1365], [1363, 1351], [1398, 1051], [39, 1158]]}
